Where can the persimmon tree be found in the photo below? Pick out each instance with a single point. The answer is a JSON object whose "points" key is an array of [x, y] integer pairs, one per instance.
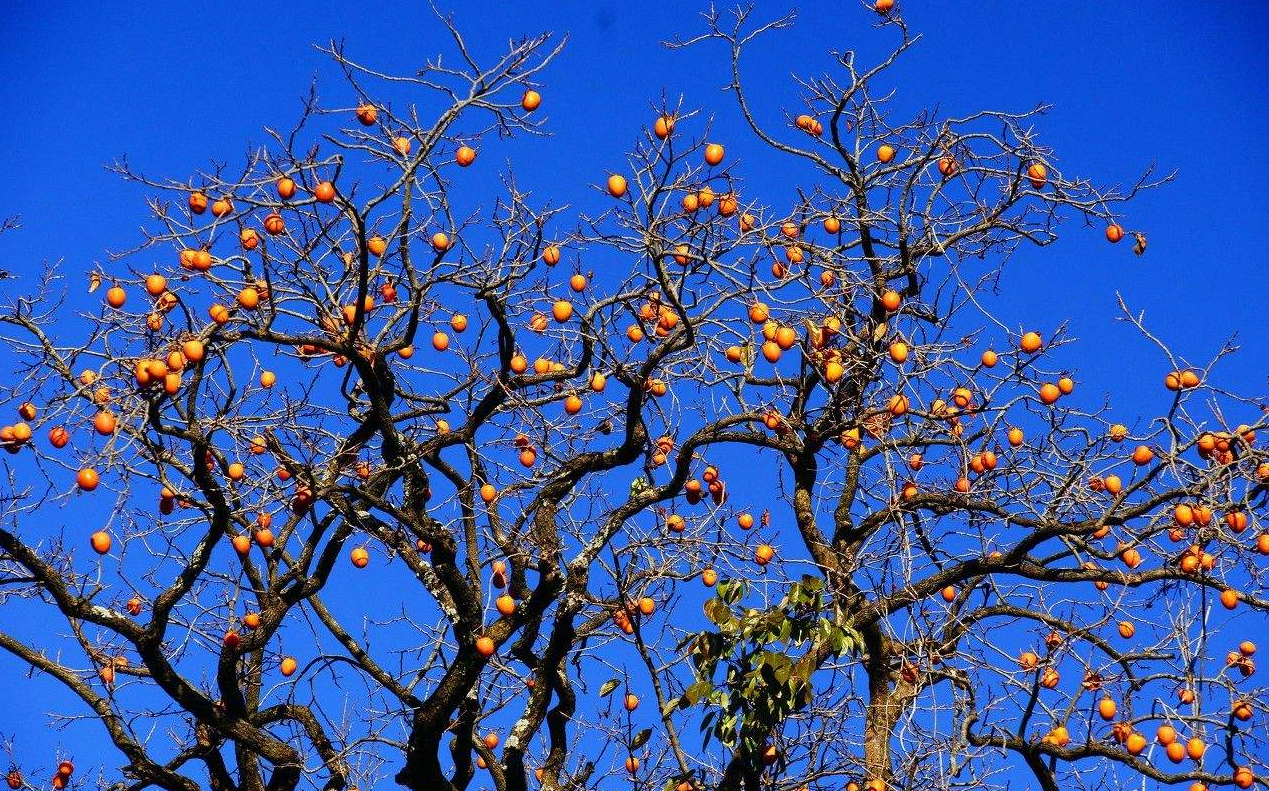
{"points": [[772, 480]]}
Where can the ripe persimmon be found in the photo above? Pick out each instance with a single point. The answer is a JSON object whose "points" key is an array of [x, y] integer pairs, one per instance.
{"points": [[219, 314], [1195, 748], [194, 351], [1106, 708], [505, 604], [104, 423], [155, 285], [763, 554], [1135, 743], [248, 298], [664, 126], [1038, 175]]}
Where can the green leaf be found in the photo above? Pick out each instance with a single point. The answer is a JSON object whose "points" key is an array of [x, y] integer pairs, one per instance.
{"points": [[670, 706], [641, 738], [608, 687], [779, 664], [731, 591], [694, 693], [717, 612]]}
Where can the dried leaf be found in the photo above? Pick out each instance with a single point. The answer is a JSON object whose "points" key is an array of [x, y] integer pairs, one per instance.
{"points": [[877, 425]]}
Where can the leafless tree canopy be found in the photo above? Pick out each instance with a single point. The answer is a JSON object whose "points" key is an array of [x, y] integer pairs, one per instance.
{"points": [[952, 575]]}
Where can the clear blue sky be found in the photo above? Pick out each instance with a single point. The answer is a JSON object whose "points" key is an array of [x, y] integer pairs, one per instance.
{"points": [[1182, 83]]}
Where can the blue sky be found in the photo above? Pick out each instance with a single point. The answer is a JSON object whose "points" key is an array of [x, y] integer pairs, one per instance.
{"points": [[176, 85]]}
